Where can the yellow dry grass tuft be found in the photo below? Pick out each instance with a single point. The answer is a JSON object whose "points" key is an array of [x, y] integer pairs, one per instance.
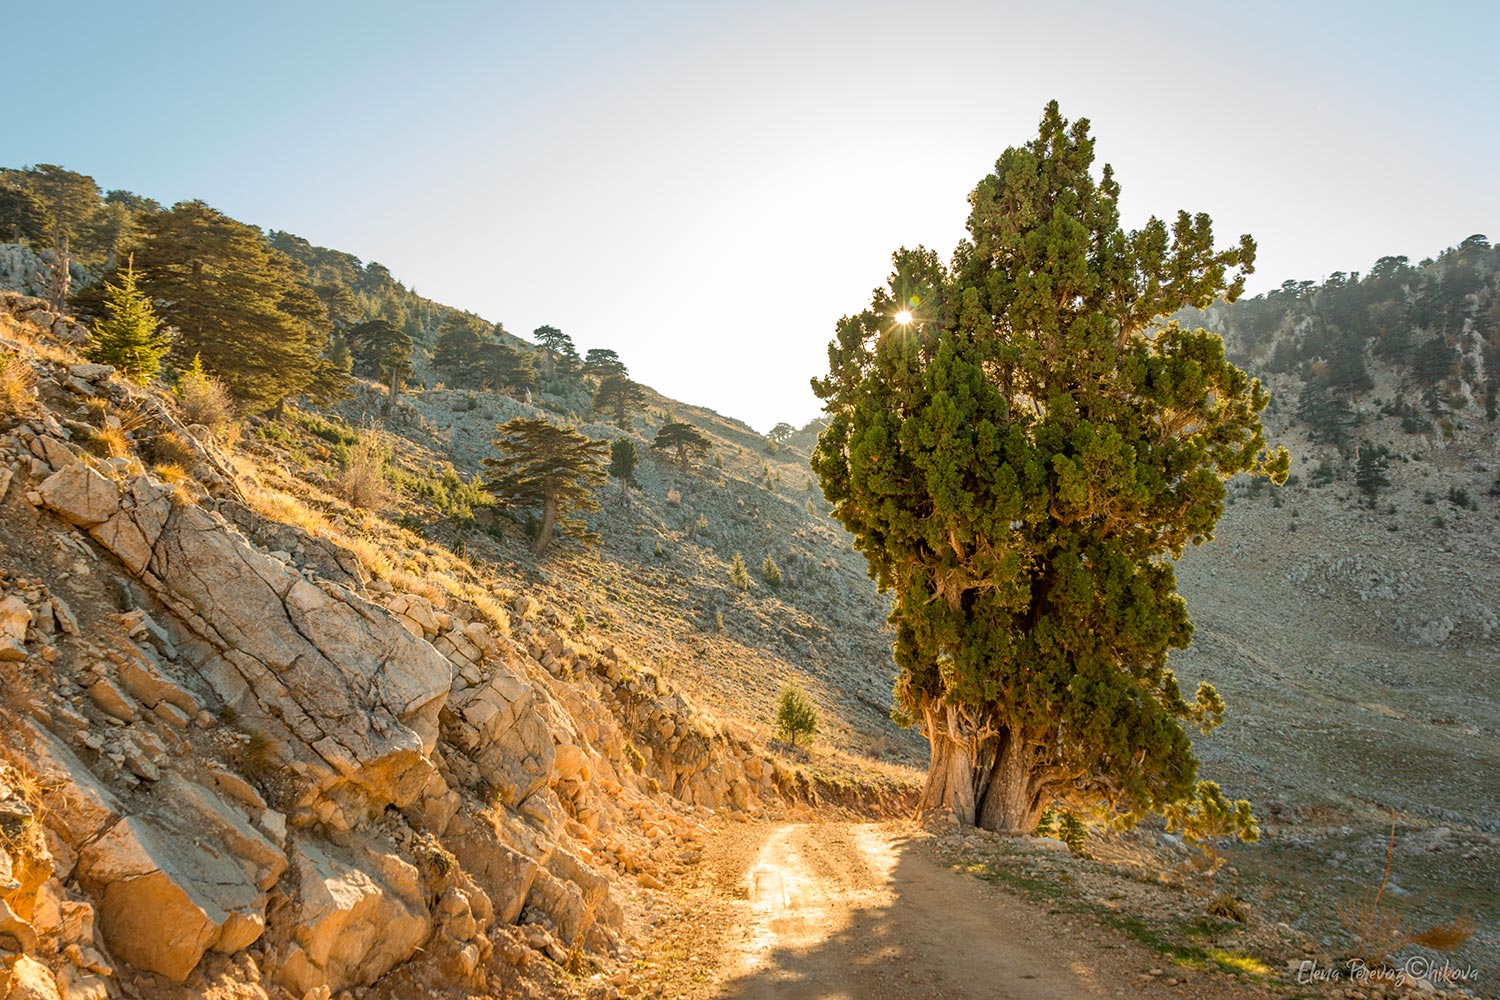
{"points": [[17, 386]]}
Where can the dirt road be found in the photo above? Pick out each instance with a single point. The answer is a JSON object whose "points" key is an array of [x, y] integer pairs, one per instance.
{"points": [[856, 911]]}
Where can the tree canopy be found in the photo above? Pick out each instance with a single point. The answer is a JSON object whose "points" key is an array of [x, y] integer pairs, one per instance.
{"points": [[130, 337], [618, 396], [244, 307], [549, 468], [1019, 448], [683, 440]]}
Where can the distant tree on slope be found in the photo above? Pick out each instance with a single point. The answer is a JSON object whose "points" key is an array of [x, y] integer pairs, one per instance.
{"points": [[682, 440], [549, 468], [618, 397]]}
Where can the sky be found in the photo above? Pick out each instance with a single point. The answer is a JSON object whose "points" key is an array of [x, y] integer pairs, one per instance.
{"points": [[707, 187]]}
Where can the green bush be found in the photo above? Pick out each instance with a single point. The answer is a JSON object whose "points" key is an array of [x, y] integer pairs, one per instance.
{"points": [[738, 574], [771, 573], [796, 715]]}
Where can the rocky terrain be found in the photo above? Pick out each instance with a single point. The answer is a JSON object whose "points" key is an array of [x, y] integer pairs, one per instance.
{"points": [[248, 759], [378, 750]]}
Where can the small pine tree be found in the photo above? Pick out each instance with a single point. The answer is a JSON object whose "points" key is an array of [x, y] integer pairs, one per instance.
{"points": [[771, 573], [738, 574], [622, 460], [130, 337], [796, 715], [1370, 471]]}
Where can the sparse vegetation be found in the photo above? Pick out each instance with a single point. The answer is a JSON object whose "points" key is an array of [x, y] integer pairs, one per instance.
{"points": [[364, 481]]}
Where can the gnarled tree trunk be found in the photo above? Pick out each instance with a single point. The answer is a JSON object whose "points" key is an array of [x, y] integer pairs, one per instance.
{"points": [[985, 776]]}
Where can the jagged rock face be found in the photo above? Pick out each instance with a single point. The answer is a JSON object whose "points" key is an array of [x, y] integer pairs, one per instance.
{"points": [[351, 697]]}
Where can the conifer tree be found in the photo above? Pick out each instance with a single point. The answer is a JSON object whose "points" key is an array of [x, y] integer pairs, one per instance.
{"points": [[130, 337], [457, 352], [505, 369], [559, 356], [601, 362], [386, 350], [682, 440], [618, 396], [622, 461], [548, 468], [1018, 448], [243, 306]]}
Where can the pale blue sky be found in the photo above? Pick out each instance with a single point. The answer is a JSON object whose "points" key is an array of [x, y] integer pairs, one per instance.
{"points": [[706, 188]]}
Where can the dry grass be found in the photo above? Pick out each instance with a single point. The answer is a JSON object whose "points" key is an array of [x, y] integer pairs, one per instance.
{"points": [[278, 506], [168, 448], [1376, 932], [364, 482], [17, 386], [205, 400], [109, 442], [184, 487]]}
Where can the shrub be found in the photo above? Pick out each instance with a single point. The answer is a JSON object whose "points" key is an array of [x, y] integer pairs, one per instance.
{"points": [[1459, 497], [1071, 831], [17, 385], [796, 716], [204, 399], [771, 573], [738, 574], [364, 482]]}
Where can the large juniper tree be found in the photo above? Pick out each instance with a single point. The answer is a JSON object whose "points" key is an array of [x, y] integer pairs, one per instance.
{"points": [[1019, 450]]}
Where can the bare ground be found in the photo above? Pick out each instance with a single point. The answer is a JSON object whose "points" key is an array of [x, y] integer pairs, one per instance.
{"points": [[865, 910]]}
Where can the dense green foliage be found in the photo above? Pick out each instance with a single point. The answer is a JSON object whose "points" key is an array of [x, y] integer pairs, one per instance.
{"points": [[245, 308], [1209, 816], [130, 337], [1019, 461], [622, 461], [382, 349], [796, 715], [548, 468]]}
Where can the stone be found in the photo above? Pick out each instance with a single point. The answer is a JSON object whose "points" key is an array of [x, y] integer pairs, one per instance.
{"points": [[15, 934], [112, 701], [504, 873], [79, 807], [30, 980], [332, 679], [80, 496], [15, 618], [351, 923], [196, 866]]}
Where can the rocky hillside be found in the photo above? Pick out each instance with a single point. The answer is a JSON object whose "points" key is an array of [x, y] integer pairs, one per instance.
{"points": [[327, 757]]}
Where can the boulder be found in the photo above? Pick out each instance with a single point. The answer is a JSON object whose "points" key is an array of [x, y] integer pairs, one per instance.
{"points": [[352, 922], [196, 866], [80, 496], [27, 979]]}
